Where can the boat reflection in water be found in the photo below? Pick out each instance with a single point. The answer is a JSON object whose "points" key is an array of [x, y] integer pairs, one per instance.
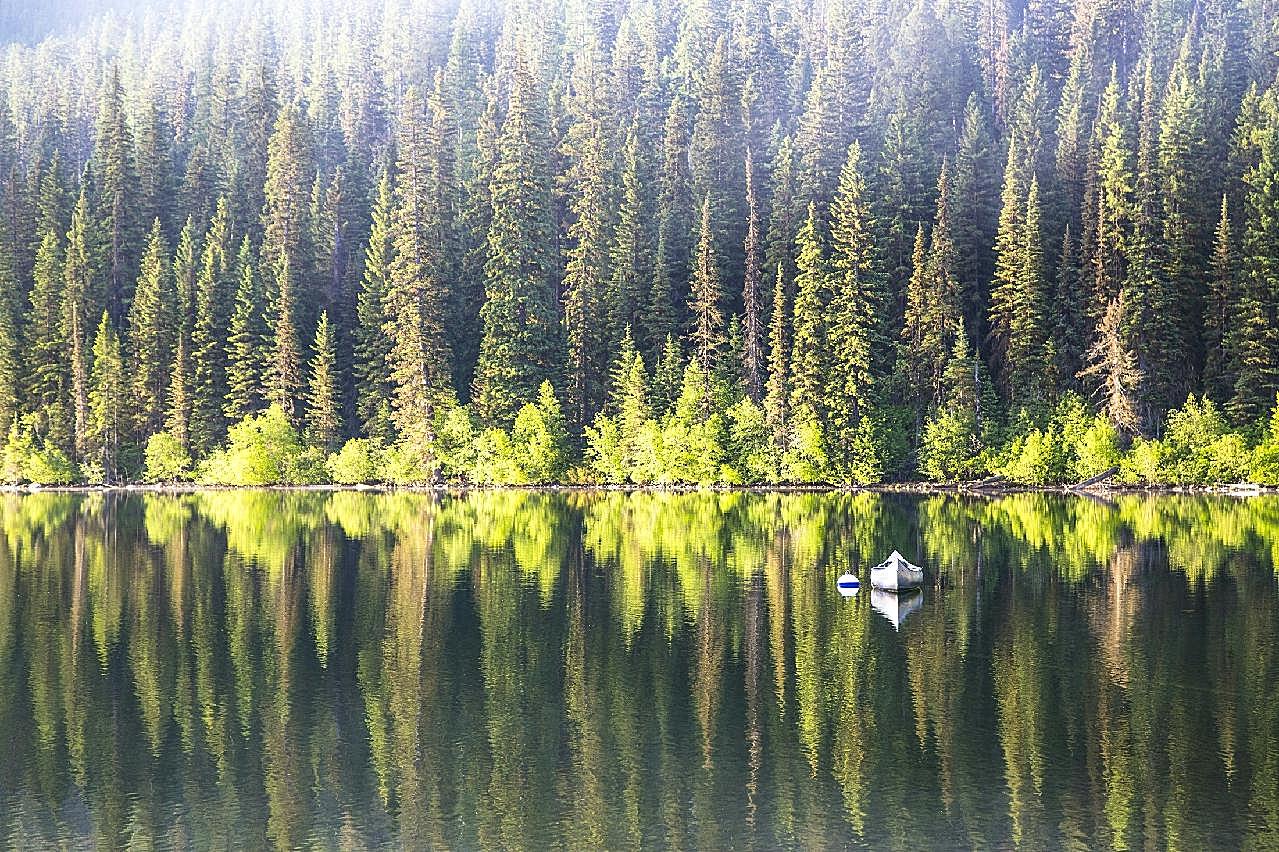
{"points": [[896, 606]]}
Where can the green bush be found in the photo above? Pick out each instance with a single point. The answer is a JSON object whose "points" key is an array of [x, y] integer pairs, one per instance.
{"points": [[25, 459], [806, 459], [951, 449], [539, 439], [1264, 466], [264, 450], [166, 460], [750, 456], [1097, 449], [361, 460], [1197, 448]]}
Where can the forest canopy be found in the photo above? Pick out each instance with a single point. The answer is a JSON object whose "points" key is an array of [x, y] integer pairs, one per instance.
{"points": [[714, 241]]}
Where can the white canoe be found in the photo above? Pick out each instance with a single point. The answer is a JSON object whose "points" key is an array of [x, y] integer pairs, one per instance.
{"points": [[895, 607], [895, 574]]}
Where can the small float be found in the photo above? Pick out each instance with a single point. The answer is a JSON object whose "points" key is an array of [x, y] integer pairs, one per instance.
{"points": [[895, 607], [848, 585], [895, 574]]}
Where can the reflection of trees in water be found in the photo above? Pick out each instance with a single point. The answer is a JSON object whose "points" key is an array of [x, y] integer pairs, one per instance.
{"points": [[626, 670]]}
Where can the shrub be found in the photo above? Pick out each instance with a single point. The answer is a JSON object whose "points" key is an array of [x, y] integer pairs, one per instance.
{"points": [[359, 461], [951, 447], [1097, 449], [806, 460], [166, 460], [25, 459], [1197, 449], [750, 456], [1264, 466], [539, 439], [264, 450], [455, 443]]}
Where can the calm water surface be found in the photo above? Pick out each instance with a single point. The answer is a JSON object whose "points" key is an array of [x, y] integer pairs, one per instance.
{"points": [[519, 670]]}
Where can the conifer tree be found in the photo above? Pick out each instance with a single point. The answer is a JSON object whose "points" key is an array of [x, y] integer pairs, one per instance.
{"points": [[117, 202], [324, 411], [777, 392], [1223, 294], [1110, 367], [80, 273], [213, 293], [151, 322], [1114, 202], [417, 288], [631, 251], [106, 419], [854, 317], [288, 261], [667, 377], [46, 340], [586, 299], [752, 285], [245, 341], [810, 347], [372, 343], [707, 319], [521, 345]]}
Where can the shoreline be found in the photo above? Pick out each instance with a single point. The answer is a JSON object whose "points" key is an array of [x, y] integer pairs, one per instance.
{"points": [[971, 489]]}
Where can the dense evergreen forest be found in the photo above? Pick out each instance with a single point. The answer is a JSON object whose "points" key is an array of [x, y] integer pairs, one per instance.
{"points": [[643, 240]]}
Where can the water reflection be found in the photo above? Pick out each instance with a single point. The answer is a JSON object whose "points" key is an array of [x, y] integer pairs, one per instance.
{"points": [[522, 670]]}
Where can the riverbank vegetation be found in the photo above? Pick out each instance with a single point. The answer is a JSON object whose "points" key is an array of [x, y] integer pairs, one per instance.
{"points": [[753, 241]]}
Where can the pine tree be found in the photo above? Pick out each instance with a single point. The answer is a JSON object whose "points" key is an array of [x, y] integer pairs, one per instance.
{"points": [[417, 288], [855, 316], [324, 410], [1223, 295], [521, 345], [116, 206], [288, 261], [752, 286], [810, 347], [707, 319], [214, 285], [178, 411], [151, 323], [1111, 368], [80, 302], [975, 191], [586, 298], [777, 392], [246, 339], [106, 418], [1114, 203], [372, 343]]}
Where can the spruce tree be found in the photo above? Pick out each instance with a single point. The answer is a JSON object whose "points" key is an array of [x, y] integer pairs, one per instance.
{"points": [[521, 345], [753, 366], [777, 391], [106, 417], [80, 302], [810, 347], [246, 339], [114, 166], [288, 261], [214, 288], [150, 339], [854, 319], [324, 410], [417, 288], [1110, 368], [587, 305], [706, 317], [1219, 316], [372, 344]]}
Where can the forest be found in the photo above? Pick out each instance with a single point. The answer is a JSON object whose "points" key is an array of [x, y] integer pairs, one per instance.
{"points": [[641, 241]]}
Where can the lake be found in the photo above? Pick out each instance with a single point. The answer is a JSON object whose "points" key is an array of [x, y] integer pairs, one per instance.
{"points": [[525, 670]]}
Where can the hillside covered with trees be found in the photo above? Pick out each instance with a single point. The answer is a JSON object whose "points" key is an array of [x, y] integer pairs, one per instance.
{"points": [[837, 241]]}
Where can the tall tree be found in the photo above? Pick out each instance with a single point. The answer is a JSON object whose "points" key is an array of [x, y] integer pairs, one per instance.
{"points": [[372, 344], [752, 291], [246, 338], [521, 346], [150, 338], [106, 419], [707, 318], [323, 407], [80, 302]]}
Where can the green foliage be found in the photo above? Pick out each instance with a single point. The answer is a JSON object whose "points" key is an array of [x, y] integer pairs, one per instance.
{"points": [[951, 449], [1197, 448], [361, 460], [263, 450], [166, 460], [25, 459]]}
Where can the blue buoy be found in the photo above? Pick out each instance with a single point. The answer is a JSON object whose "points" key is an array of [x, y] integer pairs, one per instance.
{"points": [[847, 585]]}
